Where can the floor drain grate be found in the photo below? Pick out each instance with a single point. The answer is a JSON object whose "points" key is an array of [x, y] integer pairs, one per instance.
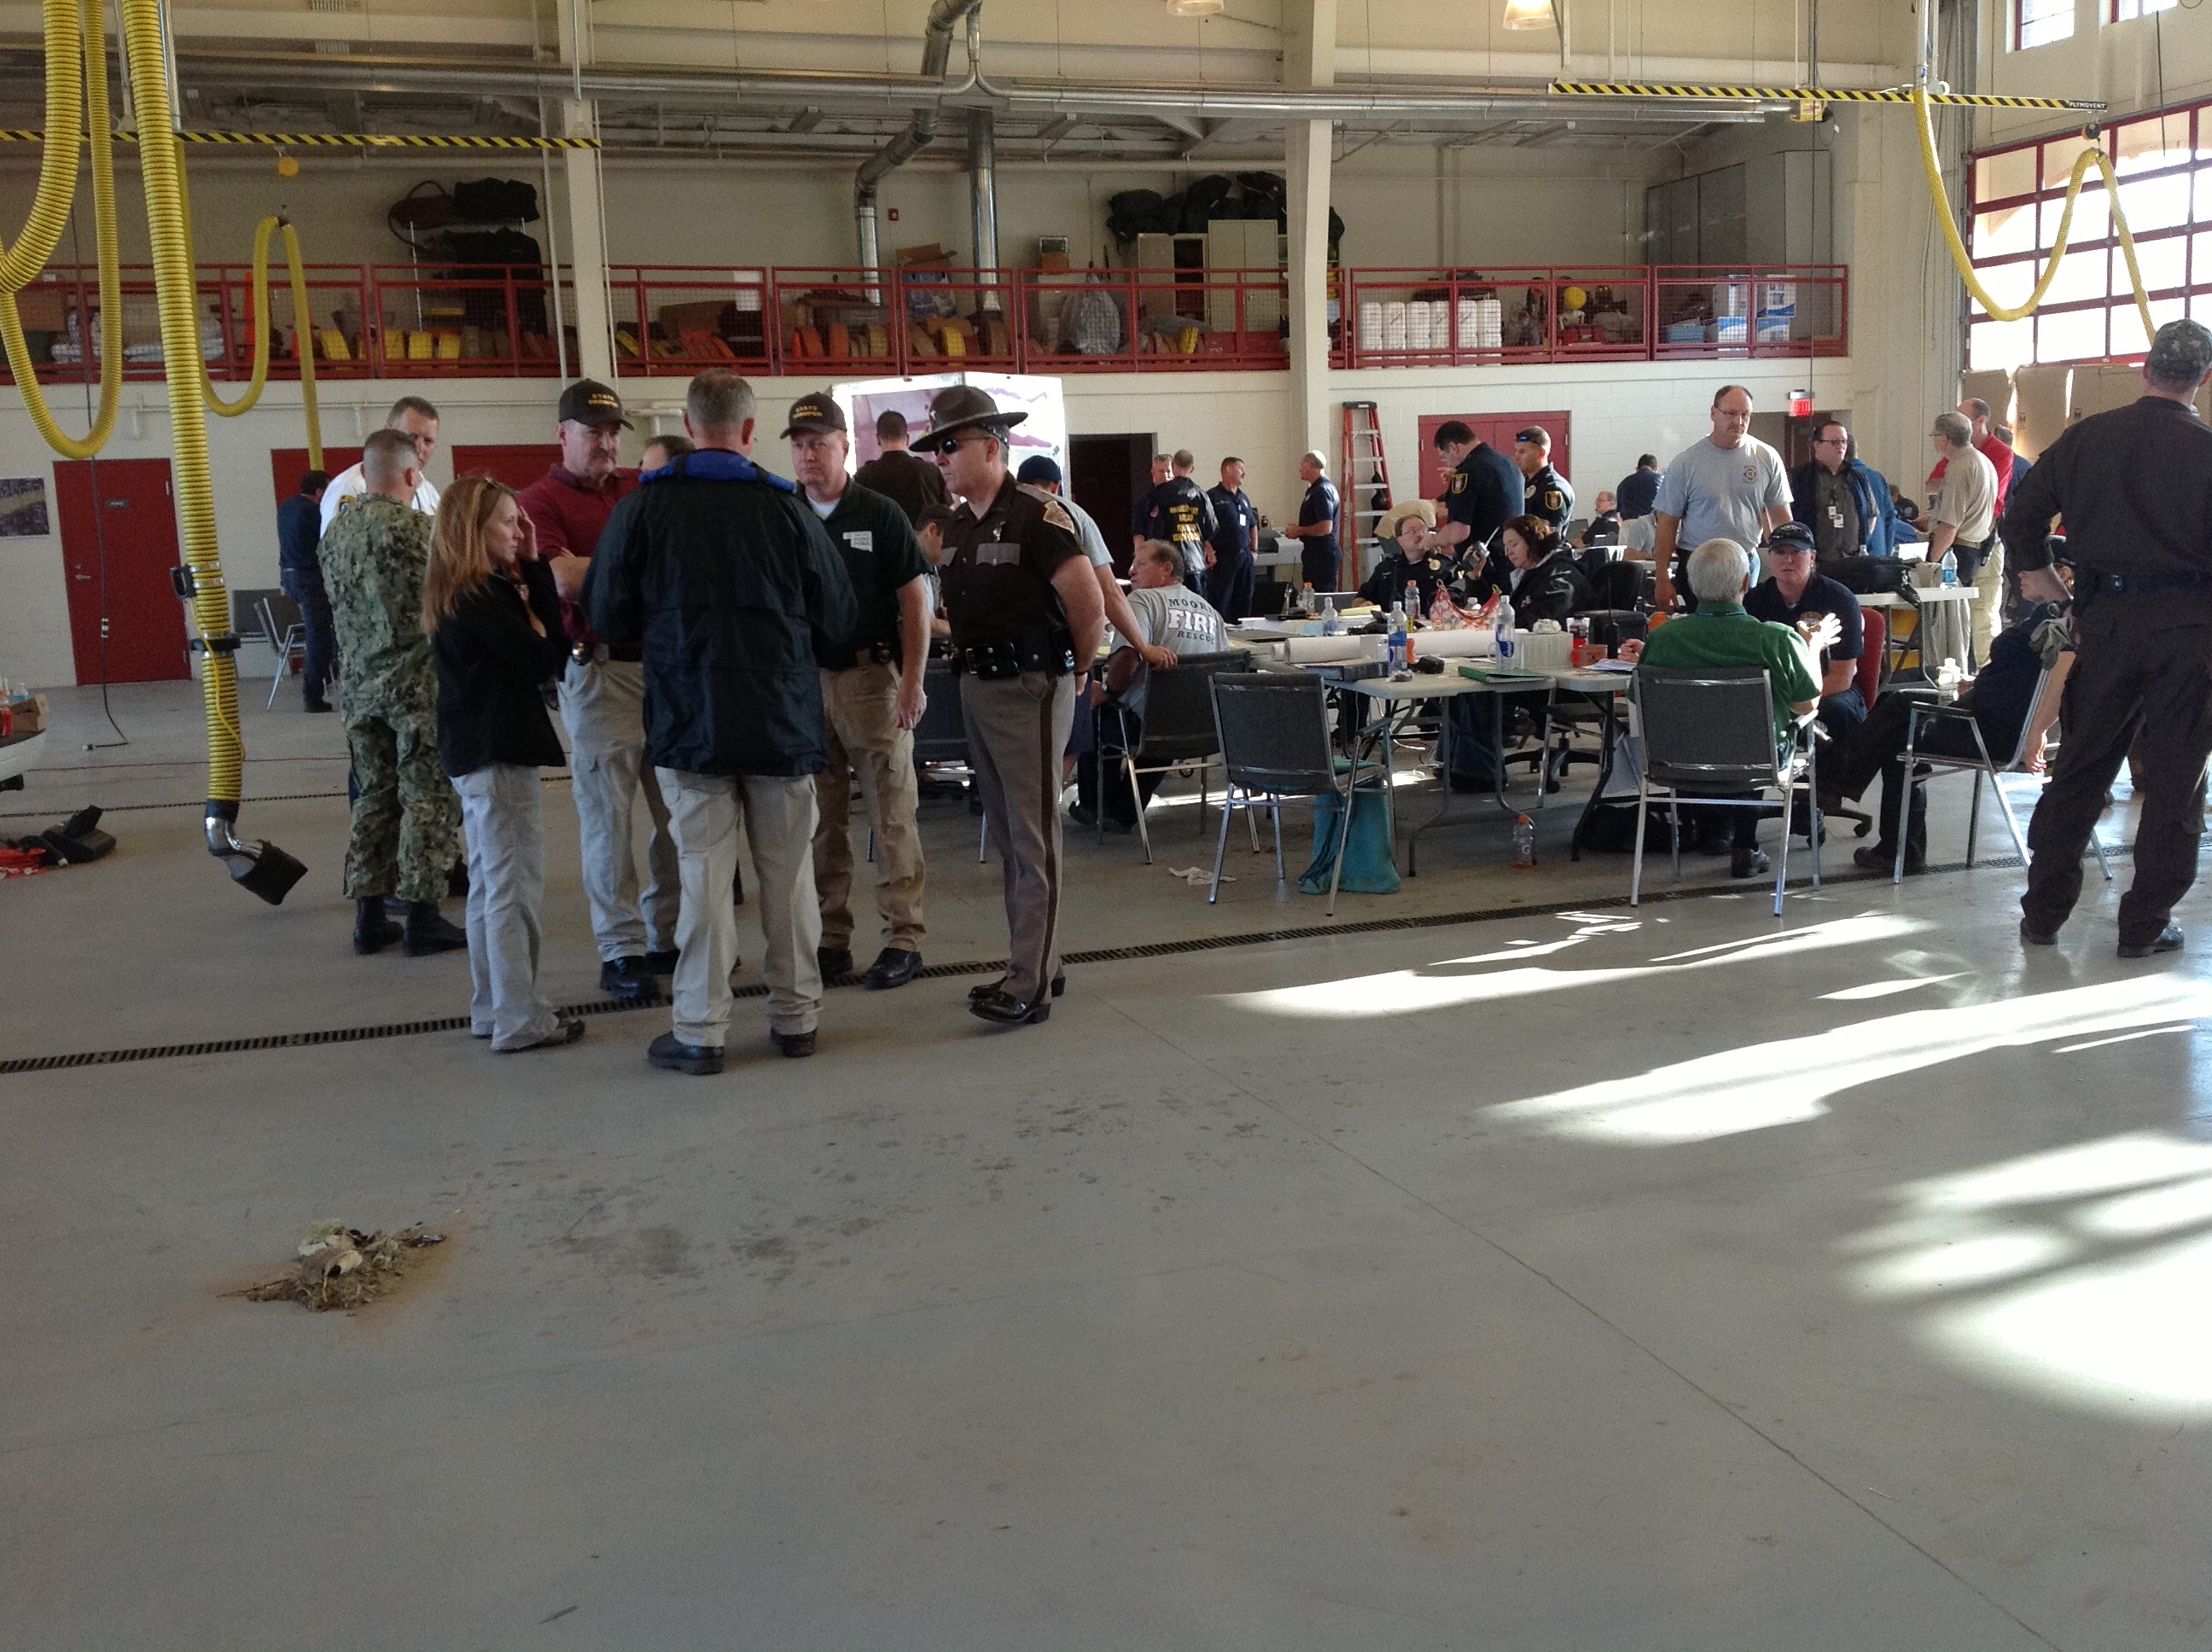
{"points": [[978, 967]]}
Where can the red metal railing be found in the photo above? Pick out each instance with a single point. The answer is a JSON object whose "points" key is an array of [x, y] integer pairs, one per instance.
{"points": [[409, 321]]}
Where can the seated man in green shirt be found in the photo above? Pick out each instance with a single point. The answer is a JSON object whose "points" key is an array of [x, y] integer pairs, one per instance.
{"points": [[1719, 632]]}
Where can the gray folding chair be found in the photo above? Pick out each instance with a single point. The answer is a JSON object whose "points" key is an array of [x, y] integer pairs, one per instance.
{"points": [[1274, 732], [942, 735], [1178, 732], [282, 624], [1710, 730], [1958, 720]]}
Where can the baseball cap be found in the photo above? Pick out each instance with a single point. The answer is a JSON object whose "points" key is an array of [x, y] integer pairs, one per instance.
{"points": [[1791, 536], [1038, 467], [589, 402], [2182, 349], [814, 414], [1535, 433]]}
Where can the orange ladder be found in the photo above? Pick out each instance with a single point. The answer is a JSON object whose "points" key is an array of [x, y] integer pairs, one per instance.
{"points": [[1363, 502]]}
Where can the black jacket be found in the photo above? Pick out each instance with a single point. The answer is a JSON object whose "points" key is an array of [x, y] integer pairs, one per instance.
{"points": [[490, 667], [726, 581], [2135, 485], [1550, 590]]}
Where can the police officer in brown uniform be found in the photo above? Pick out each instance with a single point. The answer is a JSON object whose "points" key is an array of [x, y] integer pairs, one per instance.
{"points": [[1024, 609], [2134, 488]]}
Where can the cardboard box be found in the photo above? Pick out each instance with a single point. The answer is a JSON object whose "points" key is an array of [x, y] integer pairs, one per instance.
{"points": [[701, 316], [29, 714], [1053, 261]]}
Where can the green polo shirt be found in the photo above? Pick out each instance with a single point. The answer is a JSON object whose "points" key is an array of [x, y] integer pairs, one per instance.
{"points": [[1715, 636]]}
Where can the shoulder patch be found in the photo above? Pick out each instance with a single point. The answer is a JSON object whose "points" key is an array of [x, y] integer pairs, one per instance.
{"points": [[1552, 500], [1055, 512], [1459, 481]]}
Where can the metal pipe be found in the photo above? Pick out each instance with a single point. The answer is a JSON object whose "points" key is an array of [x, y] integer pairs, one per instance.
{"points": [[982, 188], [1813, 43], [936, 53]]}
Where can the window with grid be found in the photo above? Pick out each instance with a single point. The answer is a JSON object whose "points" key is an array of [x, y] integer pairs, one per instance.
{"points": [[2164, 164], [2039, 23]]}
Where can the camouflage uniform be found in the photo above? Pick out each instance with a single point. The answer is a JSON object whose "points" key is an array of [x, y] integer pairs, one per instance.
{"points": [[406, 831]]}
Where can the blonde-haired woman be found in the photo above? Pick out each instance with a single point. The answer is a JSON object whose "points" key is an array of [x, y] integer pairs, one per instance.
{"points": [[494, 623]]}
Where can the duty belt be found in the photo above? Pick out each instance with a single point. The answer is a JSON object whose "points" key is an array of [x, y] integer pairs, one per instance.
{"points": [[585, 653], [876, 653], [2098, 581], [1052, 653]]}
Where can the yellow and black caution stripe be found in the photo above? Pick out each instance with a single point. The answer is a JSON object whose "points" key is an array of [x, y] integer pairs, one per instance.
{"points": [[1815, 94], [339, 140]]}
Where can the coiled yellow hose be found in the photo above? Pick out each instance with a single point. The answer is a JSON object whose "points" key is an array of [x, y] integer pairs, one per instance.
{"points": [[50, 207], [2093, 156], [111, 272]]}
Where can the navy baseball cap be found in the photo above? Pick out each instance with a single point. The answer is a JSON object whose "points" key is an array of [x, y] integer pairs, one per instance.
{"points": [[1038, 467], [1792, 536]]}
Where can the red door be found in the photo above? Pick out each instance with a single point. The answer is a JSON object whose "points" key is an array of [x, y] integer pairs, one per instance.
{"points": [[286, 465], [1498, 429], [118, 543], [516, 464]]}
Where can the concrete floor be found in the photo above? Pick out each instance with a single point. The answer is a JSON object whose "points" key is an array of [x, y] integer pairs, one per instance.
{"points": [[1674, 1278]]}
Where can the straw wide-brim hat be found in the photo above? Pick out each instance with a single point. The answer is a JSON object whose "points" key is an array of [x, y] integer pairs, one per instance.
{"points": [[1423, 509]]}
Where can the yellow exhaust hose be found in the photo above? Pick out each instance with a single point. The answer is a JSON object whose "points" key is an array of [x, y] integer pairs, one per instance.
{"points": [[2093, 156], [50, 207], [95, 71]]}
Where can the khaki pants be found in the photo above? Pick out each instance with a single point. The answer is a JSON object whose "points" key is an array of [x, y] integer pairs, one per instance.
{"points": [[603, 705], [703, 812], [1989, 600], [502, 811], [1017, 727], [859, 708]]}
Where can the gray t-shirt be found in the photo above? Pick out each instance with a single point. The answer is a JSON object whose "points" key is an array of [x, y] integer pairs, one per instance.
{"points": [[1177, 618], [1719, 492], [1087, 534], [1967, 496]]}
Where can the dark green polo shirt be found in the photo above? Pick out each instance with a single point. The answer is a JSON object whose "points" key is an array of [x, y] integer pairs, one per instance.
{"points": [[1728, 637], [881, 553]]}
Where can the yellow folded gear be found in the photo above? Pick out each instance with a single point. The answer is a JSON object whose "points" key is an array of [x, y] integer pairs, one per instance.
{"points": [[332, 341], [954, 340], [626, 340], [1187, 340], [879, 339], [919, 341], [421, 347], [449, 347]]}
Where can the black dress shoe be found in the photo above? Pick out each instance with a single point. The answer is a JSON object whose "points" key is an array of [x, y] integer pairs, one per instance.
{"points": [[661, 963], [1748, 863], [2034, 937], [1008, 1010], [1878, 858], [893, 966], [428, 930], [673, 1052], [628, 978], [836, 961], [793, 1044], [2166, 940], [977, 994], [372, 930]]}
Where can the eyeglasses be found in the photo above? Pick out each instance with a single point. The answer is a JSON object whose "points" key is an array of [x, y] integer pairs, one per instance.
{"points": [[1831, 441]]}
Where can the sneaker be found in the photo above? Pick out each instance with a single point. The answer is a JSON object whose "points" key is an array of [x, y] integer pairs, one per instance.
{"points": [[1748, 863], [564, 1032], [2166, 940], [668, 1051]]}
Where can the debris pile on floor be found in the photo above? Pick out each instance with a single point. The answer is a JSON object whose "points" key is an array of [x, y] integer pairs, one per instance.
{"points": [[339, 1267], [76, 840]]}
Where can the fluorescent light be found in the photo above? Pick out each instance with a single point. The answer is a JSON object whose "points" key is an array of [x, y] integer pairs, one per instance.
{"points": [[1529, 13], [1202, 7]]}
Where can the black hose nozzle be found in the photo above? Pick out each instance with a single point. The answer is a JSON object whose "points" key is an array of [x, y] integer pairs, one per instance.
{"points": [[261, 867]]}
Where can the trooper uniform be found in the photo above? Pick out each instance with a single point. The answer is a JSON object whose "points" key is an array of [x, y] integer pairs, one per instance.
{"points": [[1014, 650], [1549, 498], [1229, 581], [1319, 556], [1179, 512], [405, 831], [2134, 488]]}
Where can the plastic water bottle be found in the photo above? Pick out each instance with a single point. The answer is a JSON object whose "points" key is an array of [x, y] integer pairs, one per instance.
{"points": [[1397, 636], [1524, 840], [1328, 618], [1950, 568], [1501, 630]]}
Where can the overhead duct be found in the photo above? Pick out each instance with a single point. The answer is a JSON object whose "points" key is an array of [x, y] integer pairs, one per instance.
{"points": [[936, 52], [983, 188]]}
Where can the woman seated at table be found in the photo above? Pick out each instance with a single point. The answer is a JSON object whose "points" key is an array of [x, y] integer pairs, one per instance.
{"points": [[1416, 555], [2002, 699], [1539, 579], [1536, 572]]}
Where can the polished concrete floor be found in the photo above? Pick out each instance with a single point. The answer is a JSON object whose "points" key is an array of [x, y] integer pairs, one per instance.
{"points": [[1575, 1278]]}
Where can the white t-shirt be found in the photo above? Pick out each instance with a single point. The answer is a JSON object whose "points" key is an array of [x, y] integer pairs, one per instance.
{"points": [[348, 485], [1173, 617], [1720, 492]]}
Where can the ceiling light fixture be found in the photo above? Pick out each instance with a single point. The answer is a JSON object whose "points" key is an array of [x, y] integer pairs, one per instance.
{"points": [[1195, 8], [1529, 13]]}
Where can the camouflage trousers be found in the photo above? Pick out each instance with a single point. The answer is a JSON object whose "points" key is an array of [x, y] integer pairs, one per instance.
{"points": [[406, 832]]}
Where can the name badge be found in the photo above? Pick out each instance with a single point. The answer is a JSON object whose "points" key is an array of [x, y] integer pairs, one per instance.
{"points": [[998, 554], [862, 538]]}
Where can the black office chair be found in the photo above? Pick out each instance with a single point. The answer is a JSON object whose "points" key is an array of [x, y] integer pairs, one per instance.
{"points": [[1177, 732]]}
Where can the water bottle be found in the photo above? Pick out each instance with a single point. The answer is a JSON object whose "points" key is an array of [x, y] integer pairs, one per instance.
{"points": [[1524, 840], [1501, 630], [1328, 617], [1397, 637], [1950, 568]]}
